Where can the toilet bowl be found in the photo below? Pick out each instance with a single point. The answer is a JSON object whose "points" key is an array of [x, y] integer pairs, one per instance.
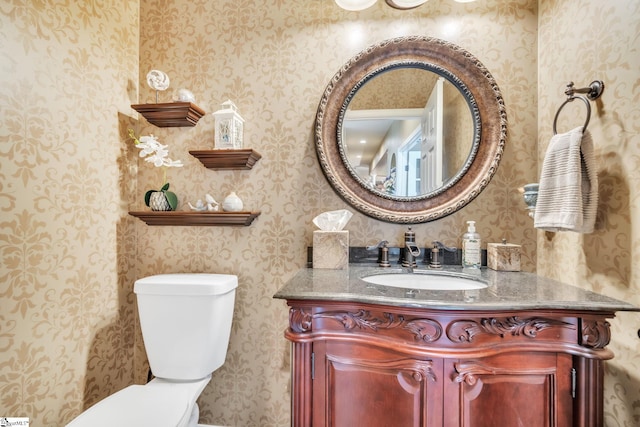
{"points": [[186, 323], [158, 403]]}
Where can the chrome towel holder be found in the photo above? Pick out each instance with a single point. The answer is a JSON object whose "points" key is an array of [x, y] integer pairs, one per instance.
{"points": [[593, 92]]}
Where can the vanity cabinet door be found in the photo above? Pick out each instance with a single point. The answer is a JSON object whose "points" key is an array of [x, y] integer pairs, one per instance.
{"points": [[361, 385], [515, 389]]}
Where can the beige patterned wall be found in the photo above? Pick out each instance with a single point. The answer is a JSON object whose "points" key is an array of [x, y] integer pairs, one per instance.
{"points": [[584, 41], [458, 131], [399, 88], [274, 59], [69, 73], [70, 253]]}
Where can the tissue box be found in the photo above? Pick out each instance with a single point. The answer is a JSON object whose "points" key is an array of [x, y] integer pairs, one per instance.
{"points": [[331, 249], [503, 256]]}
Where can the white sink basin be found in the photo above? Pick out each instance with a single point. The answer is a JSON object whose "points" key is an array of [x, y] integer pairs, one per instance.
{"points": [[426, 281]]}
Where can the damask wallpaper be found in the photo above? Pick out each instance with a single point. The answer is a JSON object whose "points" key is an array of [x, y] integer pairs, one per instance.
{"points": [[274, 61], [69, 175], [585, 41], [69, 73]]}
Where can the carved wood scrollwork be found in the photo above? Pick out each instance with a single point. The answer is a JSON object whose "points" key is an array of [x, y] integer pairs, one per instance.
{"points": [[418, 370], [423, 370], [466, 330], [516, 326], [299, 320], [595, 334], [426, 330], [468, 372], [463, 331], [363, 319]]}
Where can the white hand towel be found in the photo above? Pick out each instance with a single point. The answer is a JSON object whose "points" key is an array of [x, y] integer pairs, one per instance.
{"points": [[568, 191]]}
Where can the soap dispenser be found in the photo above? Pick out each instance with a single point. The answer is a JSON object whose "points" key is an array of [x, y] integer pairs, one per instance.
{"points": [[471, 254]]}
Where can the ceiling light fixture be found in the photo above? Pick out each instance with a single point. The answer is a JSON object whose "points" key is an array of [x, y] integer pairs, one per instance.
{"points": [[405, 4], [355, 5]]}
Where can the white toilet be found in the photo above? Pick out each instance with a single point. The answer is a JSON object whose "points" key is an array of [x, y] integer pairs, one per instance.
{"points": [[186, 323]]}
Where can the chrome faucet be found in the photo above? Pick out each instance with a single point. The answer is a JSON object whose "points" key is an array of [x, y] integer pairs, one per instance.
{"points": [[411, 250]]}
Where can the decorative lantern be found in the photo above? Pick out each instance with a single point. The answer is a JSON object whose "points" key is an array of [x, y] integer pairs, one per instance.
{"points": [[229, 127]]}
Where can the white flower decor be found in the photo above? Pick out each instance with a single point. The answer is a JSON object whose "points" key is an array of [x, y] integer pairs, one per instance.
{"points": [[389, 183], [158, 154]]}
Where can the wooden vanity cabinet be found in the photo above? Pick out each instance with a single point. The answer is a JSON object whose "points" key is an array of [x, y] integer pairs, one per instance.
{"points": [[359, 385], [518, 389], [372, 365]]}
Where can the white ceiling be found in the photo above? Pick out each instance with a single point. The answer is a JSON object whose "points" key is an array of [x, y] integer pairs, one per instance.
{"points": [[371, 126]]}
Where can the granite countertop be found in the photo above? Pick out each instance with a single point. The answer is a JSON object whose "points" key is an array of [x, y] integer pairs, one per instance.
{"points": [[505, 291]]}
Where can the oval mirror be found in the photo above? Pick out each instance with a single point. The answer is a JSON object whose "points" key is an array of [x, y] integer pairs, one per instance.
{"points": [[410, 130]]}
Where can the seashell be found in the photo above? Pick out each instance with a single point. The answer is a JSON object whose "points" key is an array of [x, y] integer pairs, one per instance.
{"points": [[198, 207], [157, 80], [185, 95]]}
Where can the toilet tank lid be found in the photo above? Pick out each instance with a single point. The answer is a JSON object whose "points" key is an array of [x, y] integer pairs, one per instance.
{"points": [[186, 284]]}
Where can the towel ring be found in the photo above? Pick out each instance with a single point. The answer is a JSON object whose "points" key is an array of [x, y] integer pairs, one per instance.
{"points": [[570, 99], [593, 92]]}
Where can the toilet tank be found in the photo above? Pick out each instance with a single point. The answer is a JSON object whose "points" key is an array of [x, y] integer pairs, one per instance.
{"points": [[186, 322]]}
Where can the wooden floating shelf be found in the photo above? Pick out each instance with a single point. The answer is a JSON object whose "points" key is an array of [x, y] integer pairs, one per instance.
{"points": [[173, 114], [196, 218], [227, 159]]}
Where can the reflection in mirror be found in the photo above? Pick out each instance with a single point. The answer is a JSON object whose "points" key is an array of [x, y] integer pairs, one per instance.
{"points": [[407, 132], [403, 179]]}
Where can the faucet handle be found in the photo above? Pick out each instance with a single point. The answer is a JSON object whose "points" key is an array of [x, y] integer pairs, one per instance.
{"points": [[383, 253], [435, 258], [381, 244], [440, 245], [435, 253]]}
